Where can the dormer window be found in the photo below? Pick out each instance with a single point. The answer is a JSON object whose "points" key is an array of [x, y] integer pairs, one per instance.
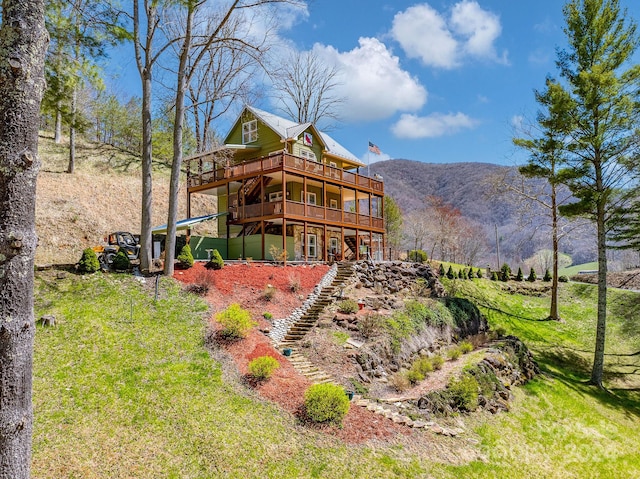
{"points": [[249, 132]]}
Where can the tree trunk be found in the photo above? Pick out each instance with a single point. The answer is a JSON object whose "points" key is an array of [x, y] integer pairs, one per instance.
{"points": [[72, 133], [147, 169], [57, 136], [174, 185], [598, 358], [23, 42], [553, 311]]}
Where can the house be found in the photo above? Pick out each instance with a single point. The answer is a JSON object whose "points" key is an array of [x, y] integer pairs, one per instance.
{"points": [[288, 187]]}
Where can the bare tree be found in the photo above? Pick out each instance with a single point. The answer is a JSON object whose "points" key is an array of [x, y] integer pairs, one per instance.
{"points": [[415, 228], [306, 88], [23, 43]]}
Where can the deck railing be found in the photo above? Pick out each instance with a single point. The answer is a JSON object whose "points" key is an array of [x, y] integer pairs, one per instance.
{"points": [[202, 170], [311, 212]]}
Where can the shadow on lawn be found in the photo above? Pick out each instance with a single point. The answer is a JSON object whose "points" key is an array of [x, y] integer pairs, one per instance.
{"points": [[573, 368]]}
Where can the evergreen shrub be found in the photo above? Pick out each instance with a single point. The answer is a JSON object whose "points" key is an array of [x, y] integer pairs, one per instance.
{"points": [[121, 261], [88, 262], [185, 258], [216, 262]]}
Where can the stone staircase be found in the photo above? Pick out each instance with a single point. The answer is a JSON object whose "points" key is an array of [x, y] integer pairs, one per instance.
{"points": [[308, 369], [287, 332], [309, 318]]}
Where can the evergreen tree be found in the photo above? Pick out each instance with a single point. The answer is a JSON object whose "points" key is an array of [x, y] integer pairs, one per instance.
{"points": [[450, 272], [519, 275], [532, 276], [441, 270], [547, 276], [505, 272], [602, 161]]}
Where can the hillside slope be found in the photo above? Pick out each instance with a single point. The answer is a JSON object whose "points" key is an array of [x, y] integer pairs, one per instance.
{"points": [[75, 211]]}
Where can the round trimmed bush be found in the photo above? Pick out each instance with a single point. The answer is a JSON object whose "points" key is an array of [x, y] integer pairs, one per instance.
{"points": [[262, 367], [235, 321], [417, 256], [326, 403], [88, 262], [121, 261], [563, 279]]}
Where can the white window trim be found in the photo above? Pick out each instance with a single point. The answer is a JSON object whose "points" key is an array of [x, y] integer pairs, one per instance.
{"points": [[249, 131], [308, 155], [312, 198], [333, 163], [275, 196], [333, 203], [312, 245], [333, 245]]}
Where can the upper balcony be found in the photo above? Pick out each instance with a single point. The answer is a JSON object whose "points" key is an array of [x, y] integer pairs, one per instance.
{"points": [[202, 170]]}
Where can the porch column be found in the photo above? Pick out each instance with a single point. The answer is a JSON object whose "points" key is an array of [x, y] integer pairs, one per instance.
{"points": [[305, 246], [263, 232], [325, 245], [284, 238]]}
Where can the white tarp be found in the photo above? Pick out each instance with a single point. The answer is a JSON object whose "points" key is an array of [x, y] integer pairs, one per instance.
{"points": [[187, 223]]}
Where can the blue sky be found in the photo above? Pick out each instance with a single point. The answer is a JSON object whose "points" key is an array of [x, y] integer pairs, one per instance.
{"points": [[465, 72], [439, 81]]}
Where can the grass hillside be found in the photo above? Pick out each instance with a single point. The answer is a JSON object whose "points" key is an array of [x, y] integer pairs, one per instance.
{"points": [[125, 387], [103, 195]]}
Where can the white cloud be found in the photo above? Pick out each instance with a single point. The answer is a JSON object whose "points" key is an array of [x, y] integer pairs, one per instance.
{"points": [[423, 33], [432, 126], [445, 41], [373, 82]]}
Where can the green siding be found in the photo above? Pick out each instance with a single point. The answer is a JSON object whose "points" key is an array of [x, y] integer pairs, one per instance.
{"points": [[199, 245]]}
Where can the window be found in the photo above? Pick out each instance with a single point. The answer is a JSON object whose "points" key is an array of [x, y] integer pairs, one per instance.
{"points": [[333, 245], [275, 196], [311, 198], [333, 164], [333, 203], [308, 155], [312, 245], [249, 132]]}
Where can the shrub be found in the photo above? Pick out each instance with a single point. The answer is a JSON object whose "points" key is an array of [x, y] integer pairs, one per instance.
{"points": [[371, 325], [532, 276], [88, 262], [417, 256], [461, 274], [347, 306], [269, 292], [441, 271], [399, 381], [519, 275], [563, 279], [185, 258], [294, 283], [267, 315], [262, 368], [437, 362], [414, 376], [423, 366], [479, 273], [547, 276], [464, 393], [326, 403], [216, 261], [278, 254], [121, 261], [505, 272], [450, 272], [494, 276], [235, 321], [203, 284], [465, 347], [454, 353]]}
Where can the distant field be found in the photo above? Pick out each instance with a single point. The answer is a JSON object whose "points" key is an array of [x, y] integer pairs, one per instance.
{"points": [[572, 270]]}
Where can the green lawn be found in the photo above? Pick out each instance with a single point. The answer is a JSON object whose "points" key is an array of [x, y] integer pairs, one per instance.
{"points": [[125, 388]]}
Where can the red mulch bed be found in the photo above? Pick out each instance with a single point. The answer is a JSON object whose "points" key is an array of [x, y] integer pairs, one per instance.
{"points": [[245, 284]]}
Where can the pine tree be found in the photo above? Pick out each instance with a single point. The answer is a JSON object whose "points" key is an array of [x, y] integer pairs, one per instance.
{"points": [[532, 276], [519, 275]]}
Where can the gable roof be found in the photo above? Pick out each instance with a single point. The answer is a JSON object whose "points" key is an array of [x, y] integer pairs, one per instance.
{"points": [[288, 129]]}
